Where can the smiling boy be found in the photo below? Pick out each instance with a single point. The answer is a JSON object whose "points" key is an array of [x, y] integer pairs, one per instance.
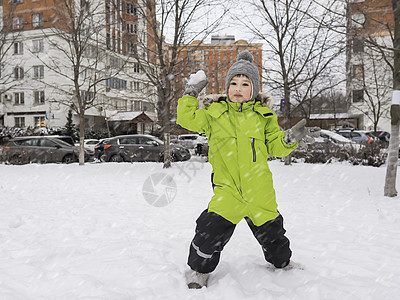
{"points": [[241, 133]]}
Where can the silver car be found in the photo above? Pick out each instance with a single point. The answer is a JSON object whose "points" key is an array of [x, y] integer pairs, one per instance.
{"points": [[40, 149], [358, 136]]}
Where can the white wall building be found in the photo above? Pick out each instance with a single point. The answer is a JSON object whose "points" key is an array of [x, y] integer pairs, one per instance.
{"points": [[36, 80], [369, 76]]}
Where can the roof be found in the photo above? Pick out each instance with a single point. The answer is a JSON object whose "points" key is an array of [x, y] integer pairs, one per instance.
{"points": [[132, 116], [331, 116]]}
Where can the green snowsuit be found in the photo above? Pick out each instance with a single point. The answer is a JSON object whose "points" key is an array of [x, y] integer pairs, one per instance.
{"points": [[240, 137]]}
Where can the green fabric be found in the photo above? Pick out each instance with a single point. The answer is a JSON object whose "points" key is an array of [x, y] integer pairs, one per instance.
{"points": [[242, 177]]}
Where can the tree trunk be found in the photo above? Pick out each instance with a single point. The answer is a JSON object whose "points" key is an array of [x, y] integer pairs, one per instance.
{"points": [[391, 171], [81, 138], [392, 161], [287, 117], [166, 133]]}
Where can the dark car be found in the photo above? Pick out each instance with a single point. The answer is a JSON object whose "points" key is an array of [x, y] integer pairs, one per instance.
{"points": [[138, 147], [382, 136], [99, 149], [40, 149]]}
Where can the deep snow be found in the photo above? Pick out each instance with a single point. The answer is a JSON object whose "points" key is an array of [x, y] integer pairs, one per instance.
{"points": [[89, 232]]}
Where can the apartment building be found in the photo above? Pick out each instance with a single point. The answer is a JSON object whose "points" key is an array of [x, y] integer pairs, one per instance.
{"points": [[36, 79], [215, 59], [369, 76]]}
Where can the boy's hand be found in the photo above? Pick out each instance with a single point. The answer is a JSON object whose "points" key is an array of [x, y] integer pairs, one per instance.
{"points": [[301, 134], [196, 84]]}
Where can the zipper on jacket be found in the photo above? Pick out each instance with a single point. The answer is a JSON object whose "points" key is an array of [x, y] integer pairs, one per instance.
{"points": [[240, 107], [254, 150]]}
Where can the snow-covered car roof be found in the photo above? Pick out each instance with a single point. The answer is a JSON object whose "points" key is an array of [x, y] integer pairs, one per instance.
{"points": [[333, 136]]}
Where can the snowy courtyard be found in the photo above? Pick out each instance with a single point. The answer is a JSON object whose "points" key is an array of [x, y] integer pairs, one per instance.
{"points": [[122, 231]]}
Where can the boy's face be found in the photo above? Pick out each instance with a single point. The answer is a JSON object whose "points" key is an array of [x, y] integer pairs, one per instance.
{"points": [[239, 89]]}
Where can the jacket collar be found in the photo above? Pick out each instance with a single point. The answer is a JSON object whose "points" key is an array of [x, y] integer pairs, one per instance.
{"points": [[218, 104]]}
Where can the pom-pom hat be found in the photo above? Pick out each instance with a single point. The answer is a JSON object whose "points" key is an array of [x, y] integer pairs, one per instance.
{"points": [[244, 66]]}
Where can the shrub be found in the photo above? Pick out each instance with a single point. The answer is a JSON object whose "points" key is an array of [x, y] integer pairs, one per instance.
{"points": [[327, 152]]}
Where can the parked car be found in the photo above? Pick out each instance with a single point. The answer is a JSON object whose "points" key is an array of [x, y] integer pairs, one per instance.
{"points": [[89, 143], [202, 145], [382, 136], [358, 136], [188, 141], [99, 149], [326, 135], [329, 145], [40, 149], [138, 147]]}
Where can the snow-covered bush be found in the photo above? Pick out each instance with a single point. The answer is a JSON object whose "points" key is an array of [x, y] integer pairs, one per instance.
{"points": [[369, 155]]}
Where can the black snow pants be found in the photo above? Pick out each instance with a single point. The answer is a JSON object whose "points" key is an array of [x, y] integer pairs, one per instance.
{"points": [[213, 233]]}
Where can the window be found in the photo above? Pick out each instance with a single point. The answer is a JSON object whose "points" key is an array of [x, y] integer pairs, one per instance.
{"points": [[39, 97], [358, 95], [358, 72], [40, 122], [137, 106], [28, 142], [131, 28], [90, 51], [131, 9], [46, 142], [136, 86], [18, 72], [17, 23], [136, 67], [116, 83], [38, 72], [18, 48], [38, 46], [19, 121], [128, 141], [87, 96], [19, 98], [358, 45], [37, 20]]}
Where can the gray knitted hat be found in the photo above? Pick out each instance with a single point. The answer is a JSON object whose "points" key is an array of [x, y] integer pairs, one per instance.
{"points": [[245, 66]]}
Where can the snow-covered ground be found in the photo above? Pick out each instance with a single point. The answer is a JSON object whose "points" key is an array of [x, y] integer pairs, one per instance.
{"points": [[90, 232]]}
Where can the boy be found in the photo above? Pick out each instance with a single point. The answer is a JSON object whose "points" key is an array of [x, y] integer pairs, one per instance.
{"points": [[241, 133]]}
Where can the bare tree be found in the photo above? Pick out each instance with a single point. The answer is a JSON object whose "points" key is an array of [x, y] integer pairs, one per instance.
{"points": [[172, 25], [302, 48], [391, 171], [80, 54], [10, 34]]}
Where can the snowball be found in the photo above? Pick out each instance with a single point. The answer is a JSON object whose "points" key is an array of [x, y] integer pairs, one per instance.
{"points": [[196, 78]]}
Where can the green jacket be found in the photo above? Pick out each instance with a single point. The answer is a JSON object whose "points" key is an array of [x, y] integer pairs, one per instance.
{"points": [[240, 137]]}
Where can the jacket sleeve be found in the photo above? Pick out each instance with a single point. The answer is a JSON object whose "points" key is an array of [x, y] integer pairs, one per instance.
{"points": [[274, 139], [190, 117]]}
